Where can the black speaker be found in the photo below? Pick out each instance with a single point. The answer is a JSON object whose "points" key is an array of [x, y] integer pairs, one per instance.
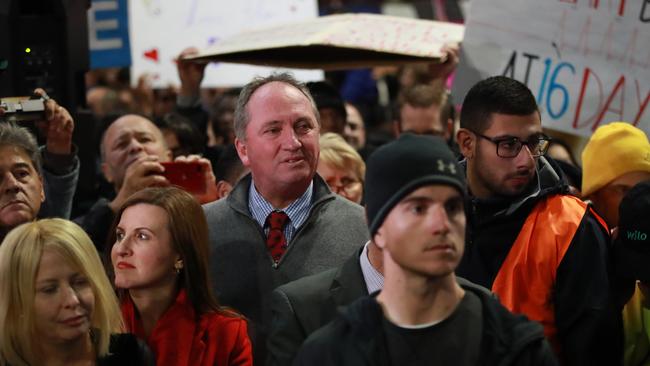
{"points": [[44, 43]]}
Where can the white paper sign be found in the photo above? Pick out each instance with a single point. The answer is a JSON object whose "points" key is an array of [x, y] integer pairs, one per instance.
{"points": [[161, 29], [587, 62]]}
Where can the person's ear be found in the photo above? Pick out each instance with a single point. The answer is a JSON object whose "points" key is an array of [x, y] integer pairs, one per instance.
{"points": [[466, 142], [397, 128], [379, 239], [178, 266], [223, 189], [242, 151], [108, 172], [40, 179]]}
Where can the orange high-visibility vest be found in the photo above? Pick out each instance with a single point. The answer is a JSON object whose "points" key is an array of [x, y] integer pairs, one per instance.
{"points": [[526, 278]]}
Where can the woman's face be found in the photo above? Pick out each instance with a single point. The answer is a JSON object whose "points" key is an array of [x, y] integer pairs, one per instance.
{"points": [[64, 301], [142, 255], [343, 182]]}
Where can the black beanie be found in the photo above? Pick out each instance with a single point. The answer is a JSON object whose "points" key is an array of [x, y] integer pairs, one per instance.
{"points": [[632, 247], [398, 168]]}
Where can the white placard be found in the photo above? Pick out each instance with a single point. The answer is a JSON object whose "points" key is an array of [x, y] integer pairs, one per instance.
{"points": [[587, 62], [161, 29]]}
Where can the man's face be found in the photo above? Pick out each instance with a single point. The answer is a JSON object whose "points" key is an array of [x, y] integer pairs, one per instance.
{"points": [[424, 233], [422, 121], [607, 199], [281, 147], [491, 175], [126, 140], [21, 187], [354, 132]]}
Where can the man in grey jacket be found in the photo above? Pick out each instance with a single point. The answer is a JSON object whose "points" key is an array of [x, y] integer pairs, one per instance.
{"points": [[281, 222]]}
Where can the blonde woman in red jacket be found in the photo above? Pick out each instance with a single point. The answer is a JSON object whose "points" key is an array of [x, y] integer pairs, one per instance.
{"points": [[159, 254]]}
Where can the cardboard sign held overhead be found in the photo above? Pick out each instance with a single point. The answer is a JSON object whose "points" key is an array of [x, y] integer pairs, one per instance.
{"points": [[339, 42], [586, 62]]}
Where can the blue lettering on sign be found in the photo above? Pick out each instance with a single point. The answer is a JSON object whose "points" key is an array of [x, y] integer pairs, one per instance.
{"points": [[108, 34], [554, 86]]}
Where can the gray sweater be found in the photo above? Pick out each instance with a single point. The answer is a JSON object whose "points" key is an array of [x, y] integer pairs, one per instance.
{"points": [[241, 268]]}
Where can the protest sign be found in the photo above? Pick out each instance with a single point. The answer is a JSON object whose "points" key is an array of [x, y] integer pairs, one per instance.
{"points": [[161, 29], [586, 61], [339, 42]]}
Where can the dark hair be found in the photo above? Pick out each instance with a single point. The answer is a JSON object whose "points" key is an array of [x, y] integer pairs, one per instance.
{"points": [[560, 142], [229, 166], [326, 96], [221, 106], [188, 229], [190, 140], [20, 137], [496, 94]]}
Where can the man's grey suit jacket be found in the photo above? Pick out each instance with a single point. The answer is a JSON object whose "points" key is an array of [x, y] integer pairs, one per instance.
{"points": [[301, 307], [241, 269]]}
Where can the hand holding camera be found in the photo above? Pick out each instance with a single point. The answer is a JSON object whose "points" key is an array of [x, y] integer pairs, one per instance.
{"points": [[58, 126]]}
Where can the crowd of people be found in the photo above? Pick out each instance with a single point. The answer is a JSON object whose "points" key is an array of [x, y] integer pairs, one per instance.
{"points": [[326, 232]]}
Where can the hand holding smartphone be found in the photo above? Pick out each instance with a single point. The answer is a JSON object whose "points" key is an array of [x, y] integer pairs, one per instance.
{"points": [[187, 175]]}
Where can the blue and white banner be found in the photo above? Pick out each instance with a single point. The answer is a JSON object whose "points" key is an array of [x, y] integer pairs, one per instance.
{"points": [[108, 34]]}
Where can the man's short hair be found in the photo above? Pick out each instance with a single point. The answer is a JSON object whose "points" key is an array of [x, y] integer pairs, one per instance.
{"points": [[496, 94], [423, 96], [326, 96], [189, 138], [242, 116], [14, 135]]}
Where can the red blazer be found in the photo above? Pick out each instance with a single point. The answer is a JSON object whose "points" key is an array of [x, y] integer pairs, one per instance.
{"points": [[179, 338]]}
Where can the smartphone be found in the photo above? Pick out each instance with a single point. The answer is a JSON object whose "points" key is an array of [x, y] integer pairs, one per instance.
{"points": [[188, 176]]}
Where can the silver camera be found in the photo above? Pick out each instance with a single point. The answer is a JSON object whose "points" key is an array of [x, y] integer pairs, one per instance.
{"points": [[22, 109]]}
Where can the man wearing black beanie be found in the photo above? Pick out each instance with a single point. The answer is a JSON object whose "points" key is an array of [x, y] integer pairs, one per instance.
{"points": [[414, 205]]}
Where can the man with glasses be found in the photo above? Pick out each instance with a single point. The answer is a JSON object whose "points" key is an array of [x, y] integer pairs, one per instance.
{"points": [[542, 251]]}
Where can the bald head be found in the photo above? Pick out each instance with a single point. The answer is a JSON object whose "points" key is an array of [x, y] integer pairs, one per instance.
{"points": [[127, 139]]}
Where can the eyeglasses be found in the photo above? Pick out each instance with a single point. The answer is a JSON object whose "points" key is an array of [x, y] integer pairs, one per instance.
{"points": [[345, 185], [509, 147]]}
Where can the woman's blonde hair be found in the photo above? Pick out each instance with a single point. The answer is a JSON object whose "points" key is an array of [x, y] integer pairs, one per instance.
{"points": [[336, 152], [20, 256]]}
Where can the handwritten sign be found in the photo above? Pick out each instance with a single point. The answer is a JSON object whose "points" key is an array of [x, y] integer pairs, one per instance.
{"points": [[161, 29], [339, 41], [586, 61]]}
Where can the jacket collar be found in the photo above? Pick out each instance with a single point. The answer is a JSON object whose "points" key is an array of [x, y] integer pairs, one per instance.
{"points": [[238, 197], [348, 283], [548, 180]]}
